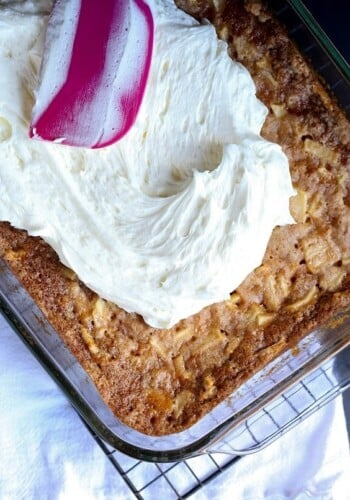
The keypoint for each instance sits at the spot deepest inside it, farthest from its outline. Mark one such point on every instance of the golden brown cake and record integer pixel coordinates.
(162, 381)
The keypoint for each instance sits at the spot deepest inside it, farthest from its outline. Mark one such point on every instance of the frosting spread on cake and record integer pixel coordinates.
(174, 216)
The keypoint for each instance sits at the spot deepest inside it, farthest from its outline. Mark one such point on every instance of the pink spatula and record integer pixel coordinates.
(94, 71)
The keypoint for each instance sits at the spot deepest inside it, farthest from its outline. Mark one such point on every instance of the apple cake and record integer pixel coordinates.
(161, 381)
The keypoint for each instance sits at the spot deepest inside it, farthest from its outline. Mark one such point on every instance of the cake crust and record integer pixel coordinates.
(162, 381)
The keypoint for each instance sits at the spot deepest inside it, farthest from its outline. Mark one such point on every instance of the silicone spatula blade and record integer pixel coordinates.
(97, 57)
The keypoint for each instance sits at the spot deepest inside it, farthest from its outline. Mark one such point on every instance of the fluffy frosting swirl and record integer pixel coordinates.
(174, 216)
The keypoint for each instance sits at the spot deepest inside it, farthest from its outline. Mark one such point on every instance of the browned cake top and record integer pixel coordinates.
(161, 381)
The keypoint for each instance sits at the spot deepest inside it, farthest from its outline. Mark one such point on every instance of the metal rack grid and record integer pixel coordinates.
(181, 479)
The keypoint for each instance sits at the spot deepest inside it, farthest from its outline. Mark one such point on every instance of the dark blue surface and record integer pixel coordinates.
(334, 18)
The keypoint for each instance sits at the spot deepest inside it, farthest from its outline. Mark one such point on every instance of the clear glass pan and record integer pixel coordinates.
(278, 377)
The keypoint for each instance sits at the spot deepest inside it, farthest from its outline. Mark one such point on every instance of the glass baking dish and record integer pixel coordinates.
(279, 376)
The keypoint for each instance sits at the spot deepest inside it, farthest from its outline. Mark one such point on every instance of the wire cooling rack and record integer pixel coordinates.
(181, 479)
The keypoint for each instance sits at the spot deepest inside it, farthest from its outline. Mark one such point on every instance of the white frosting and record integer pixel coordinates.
(175, 215)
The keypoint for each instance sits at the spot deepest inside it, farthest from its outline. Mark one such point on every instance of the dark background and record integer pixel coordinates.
(334, 17)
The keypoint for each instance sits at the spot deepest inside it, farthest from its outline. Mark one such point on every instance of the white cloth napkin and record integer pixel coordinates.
(47, 453)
